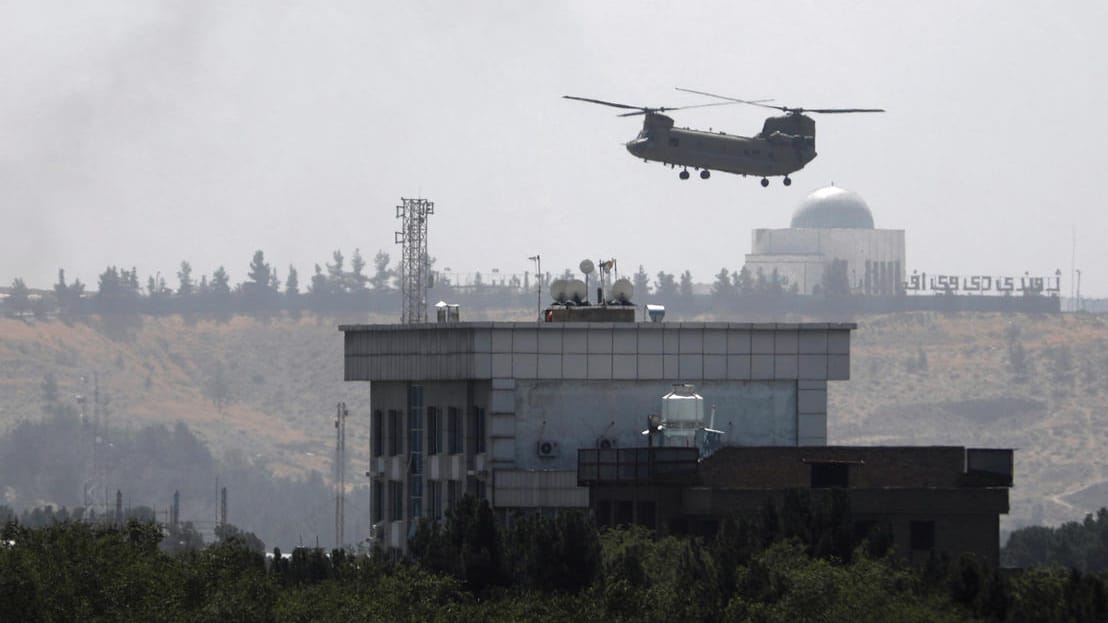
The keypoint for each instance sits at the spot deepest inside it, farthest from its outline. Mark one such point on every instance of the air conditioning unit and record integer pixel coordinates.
(547, 449)
(606, 443)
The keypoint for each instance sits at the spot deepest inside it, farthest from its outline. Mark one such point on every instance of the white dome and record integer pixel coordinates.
(833, 208)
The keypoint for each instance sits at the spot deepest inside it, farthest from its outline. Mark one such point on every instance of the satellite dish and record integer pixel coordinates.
(587, 266)
(577, 291)
(559, 290)
(622, 290)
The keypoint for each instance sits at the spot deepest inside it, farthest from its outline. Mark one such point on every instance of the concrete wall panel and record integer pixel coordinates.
(762, 343)
(812, 367)
(715, 342)
(600, 367)
(761, 367)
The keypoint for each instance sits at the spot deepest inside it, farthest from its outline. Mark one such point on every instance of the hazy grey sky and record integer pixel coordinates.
(145, 133)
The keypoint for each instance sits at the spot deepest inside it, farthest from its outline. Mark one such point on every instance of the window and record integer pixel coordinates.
(434, 430)
(673, 142)
(454, 430)
(604, 513)
(434, 499)
(378, 512)
(396, 500)
(415, 451)
(378, 426)
(647, 514)
(624, 510)
(394, 432)
(828, 475)
(452, 492)
(477, 429)
(922, 535)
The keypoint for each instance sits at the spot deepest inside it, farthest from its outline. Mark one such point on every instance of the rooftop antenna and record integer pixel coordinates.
(414, 260)
(587, 267)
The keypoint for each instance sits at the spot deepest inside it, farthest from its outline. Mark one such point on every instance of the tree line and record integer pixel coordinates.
(471, 567)
(338, 286)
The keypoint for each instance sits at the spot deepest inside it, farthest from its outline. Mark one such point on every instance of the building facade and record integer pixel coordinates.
(500, 409)
(927, 500)
(831, 245)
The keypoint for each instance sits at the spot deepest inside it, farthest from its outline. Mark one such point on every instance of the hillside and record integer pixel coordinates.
(1036, 383)
(266, 389)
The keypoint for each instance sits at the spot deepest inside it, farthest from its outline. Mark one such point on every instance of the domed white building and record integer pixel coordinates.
(832, 245)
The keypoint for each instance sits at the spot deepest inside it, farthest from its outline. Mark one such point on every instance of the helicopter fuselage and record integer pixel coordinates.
(785, 145)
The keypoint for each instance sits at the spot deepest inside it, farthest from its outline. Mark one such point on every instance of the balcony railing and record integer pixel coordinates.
(637, 466)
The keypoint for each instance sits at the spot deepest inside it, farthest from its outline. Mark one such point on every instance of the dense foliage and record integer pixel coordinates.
(1080, 545)
(470, 568)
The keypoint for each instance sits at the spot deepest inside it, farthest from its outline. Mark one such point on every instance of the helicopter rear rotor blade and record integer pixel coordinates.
(757, 102)
(838, 110)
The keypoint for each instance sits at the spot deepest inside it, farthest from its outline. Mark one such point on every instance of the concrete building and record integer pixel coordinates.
(927, 499)
(500, 409)
(831, 243)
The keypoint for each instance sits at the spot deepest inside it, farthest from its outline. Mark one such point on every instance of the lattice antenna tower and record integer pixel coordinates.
(414, 261)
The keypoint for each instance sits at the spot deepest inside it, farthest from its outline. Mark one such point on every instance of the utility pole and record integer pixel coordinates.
(340, 474)
(537, 259)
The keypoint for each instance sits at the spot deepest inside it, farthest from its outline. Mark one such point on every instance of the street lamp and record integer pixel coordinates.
(537, 259)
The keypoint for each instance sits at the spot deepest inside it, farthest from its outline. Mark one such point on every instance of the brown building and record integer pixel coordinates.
(938, 499)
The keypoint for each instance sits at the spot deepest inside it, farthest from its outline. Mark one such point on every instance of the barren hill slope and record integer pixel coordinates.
(267, 389)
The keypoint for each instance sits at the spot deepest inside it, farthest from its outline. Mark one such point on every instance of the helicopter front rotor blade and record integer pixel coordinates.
(644, 111)
(602, 102)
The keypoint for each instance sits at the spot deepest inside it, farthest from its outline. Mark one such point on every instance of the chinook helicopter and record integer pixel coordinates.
(786, 143)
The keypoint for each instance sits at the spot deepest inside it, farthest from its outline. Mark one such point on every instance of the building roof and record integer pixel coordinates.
(833, 208)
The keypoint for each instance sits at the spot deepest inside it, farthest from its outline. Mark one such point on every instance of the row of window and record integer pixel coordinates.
(434, 498)
(389, 437)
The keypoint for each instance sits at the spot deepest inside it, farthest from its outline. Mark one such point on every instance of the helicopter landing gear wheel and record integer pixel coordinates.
(787, 181)
(765, 182)
(705, 174)
(684, 174)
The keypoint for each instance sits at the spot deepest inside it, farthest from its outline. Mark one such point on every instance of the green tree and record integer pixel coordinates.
(19, 298)
(723, 288)
(357, 280)
(686, 286)
(292, 283)
(744, 281)
(220, 288)
(665, 286)
(260, 271)
(382, 274)
(336, 275)
(184, 280)
(835, 281)
(641, 282)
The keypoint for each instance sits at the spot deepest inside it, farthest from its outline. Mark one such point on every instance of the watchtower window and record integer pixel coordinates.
(830, 475)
